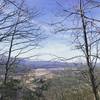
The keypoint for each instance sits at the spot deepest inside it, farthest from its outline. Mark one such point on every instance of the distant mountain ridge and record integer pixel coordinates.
(47, 64)
(22, 65)
(27, 63)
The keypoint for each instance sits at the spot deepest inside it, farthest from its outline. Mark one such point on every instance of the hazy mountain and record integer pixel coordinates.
(27, 64)
(47, 64)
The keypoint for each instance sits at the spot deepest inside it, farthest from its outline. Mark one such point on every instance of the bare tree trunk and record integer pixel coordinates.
(10, 50)
(89, 64)
(9, 56)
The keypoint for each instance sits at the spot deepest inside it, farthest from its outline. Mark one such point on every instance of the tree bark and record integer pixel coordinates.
(89, 64)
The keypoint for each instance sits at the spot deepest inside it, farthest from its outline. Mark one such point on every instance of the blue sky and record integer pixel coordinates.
(55, 44)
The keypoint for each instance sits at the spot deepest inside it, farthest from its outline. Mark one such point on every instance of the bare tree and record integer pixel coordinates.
(88, 53)
(18, 32)
(85, 30)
